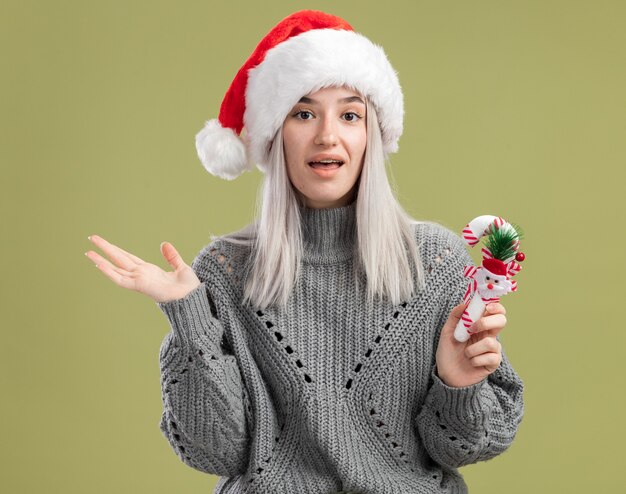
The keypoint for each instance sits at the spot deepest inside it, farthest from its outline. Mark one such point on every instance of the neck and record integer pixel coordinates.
(328, 235)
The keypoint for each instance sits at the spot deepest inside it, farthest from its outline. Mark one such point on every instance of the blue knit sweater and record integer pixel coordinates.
(332, 393)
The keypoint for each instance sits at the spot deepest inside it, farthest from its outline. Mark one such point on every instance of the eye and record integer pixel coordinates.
(496, 281)
(301, 115)
(353, 116)
(487, 278)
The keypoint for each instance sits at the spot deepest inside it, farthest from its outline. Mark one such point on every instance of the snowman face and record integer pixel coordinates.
(492, 285)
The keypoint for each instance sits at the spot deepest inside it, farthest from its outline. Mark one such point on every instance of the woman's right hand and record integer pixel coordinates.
(128, 271)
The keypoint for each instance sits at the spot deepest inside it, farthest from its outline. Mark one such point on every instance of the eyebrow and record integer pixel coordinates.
(349, 99)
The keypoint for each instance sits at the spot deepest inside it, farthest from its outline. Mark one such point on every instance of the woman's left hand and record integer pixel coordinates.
(467, 363)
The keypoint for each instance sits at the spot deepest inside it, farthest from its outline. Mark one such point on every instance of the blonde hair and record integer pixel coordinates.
(387, 251)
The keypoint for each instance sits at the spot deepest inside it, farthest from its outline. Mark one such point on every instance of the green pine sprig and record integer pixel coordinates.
(501, 241)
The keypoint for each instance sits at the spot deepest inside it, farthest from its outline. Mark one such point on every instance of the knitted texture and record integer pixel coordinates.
(330, 394)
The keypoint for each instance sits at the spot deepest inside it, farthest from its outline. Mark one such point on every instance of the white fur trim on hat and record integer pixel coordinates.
(221, 151)
(313, 60)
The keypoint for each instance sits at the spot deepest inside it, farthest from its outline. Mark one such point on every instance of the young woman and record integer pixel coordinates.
(313, 351)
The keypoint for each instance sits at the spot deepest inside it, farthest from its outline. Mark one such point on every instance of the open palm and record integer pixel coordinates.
(131, 272)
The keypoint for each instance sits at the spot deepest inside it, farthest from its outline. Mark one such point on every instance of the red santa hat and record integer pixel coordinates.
(495, 266)
(305, 52)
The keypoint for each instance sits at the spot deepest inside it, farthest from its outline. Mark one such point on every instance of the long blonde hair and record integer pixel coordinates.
(387, 252)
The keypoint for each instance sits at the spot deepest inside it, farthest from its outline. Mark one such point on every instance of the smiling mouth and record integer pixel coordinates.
(326, 164)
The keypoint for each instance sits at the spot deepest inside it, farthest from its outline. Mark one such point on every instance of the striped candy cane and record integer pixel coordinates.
(500, 270)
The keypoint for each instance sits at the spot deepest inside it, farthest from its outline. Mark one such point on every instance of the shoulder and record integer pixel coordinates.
(439, 246)
(434, 238)
(225, 257)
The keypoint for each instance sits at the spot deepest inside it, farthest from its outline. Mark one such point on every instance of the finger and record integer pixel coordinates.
(122, 258)
(97, 238)
(486, 345)
(452, 321)
(171, 255)
(491, 361)
(99, 260)
(495, 308)
(457, 312)
(494, 323)
(119, 276)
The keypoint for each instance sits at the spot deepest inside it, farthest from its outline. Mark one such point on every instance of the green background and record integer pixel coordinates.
(514, 108)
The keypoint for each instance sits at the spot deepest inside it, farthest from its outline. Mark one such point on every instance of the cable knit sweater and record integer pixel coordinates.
(331, 394)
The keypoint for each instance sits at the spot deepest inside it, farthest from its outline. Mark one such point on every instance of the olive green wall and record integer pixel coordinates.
(512, 108)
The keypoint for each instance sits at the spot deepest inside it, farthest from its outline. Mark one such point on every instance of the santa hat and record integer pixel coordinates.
(495, 266)
(305, 52)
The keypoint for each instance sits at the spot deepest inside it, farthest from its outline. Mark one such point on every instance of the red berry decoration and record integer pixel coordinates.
(519, 257)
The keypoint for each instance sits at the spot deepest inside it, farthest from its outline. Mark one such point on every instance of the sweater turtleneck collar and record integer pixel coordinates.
(328, 235)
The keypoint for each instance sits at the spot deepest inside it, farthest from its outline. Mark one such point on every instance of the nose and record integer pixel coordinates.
(489, 286)
(326, 134)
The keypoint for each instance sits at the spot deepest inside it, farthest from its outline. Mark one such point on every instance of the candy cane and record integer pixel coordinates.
(475, 302)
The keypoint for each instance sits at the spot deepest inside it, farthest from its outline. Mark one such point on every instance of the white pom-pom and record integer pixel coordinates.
(221, 151)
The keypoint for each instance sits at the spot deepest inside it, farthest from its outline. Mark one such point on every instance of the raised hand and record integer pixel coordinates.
(467, 363)
(133, 273)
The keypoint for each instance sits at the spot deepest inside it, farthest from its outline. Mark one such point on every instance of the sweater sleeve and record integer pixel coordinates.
(460, 426)
(203, 395)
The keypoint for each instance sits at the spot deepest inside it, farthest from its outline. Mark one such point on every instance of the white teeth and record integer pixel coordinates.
(328, 161)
